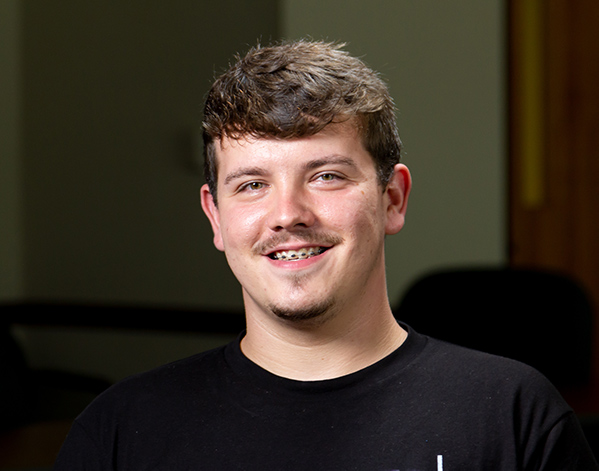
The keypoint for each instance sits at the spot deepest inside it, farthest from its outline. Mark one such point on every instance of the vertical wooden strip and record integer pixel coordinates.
(531, 152)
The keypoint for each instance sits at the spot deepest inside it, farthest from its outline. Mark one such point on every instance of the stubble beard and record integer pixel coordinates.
(318, 312)
(308, 313)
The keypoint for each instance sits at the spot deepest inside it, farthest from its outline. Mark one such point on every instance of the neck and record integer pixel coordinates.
(344, 343)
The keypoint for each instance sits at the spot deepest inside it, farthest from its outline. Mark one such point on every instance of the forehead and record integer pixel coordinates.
(341, 139)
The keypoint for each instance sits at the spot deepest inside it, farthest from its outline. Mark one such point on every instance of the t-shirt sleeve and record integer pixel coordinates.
(566, 448)
(80, 453)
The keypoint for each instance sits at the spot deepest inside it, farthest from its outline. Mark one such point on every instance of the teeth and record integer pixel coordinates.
(300, 254)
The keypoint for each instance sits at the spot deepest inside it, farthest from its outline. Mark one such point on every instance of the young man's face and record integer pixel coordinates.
(302, 221)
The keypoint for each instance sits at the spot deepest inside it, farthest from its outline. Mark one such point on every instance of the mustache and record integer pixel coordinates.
(309, 237)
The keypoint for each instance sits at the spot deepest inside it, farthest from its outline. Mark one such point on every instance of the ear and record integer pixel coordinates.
(213, 215)
(398, 190)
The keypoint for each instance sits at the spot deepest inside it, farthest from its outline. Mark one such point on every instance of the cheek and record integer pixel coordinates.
(359, 214)
(371, 225)
(240, 227)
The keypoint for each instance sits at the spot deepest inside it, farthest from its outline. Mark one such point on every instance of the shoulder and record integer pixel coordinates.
(505, 407)
(189, 368)
(135, 417)
(158, 388)
(469, 363)
(473, 373)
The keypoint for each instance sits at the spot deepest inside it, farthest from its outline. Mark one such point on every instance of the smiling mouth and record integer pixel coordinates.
(301, 254)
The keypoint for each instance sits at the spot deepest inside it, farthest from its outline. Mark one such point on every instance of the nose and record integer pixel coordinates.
(291, 210)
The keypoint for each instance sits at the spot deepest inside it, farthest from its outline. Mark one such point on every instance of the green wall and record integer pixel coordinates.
(100, 160)
(444, 63)
(11, 263)
(111, 100)
(99, 152)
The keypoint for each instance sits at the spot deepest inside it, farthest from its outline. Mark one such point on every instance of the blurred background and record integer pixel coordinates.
(107, 266)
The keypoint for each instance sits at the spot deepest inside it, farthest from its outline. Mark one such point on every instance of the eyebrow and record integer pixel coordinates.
(328, 160)
(244, 172)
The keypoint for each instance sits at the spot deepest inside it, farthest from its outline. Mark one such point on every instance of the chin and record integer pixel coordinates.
(322, 311)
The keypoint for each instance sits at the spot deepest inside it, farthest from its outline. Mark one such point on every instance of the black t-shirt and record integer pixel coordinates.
(427, 406)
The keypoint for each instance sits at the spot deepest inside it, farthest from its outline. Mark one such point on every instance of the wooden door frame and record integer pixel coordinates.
(554, 143)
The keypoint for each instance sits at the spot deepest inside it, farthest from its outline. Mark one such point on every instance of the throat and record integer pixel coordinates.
(310, 354)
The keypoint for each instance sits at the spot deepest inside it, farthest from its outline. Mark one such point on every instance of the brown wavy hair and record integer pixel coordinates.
(295, 89)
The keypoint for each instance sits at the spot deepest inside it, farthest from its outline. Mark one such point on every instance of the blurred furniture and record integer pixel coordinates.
(32, 447)
(146, 317)
(540, 318)
(30, 395)
(36, 406)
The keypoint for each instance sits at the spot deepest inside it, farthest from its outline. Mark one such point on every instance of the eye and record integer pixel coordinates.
(330, 180)
(327, 177)
(252, 186)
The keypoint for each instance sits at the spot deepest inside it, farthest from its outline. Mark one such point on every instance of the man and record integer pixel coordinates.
(304, 183)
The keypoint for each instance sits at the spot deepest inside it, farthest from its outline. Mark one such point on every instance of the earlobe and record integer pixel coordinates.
(398, 190)
(213, 216)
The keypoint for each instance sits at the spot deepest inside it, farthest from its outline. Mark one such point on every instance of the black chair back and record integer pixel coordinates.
(540, 318)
